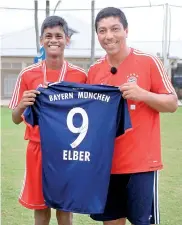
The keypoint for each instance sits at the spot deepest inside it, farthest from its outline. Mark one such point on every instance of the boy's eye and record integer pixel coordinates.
(48, 36)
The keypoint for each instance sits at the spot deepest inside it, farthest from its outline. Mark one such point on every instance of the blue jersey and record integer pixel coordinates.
(78, 125)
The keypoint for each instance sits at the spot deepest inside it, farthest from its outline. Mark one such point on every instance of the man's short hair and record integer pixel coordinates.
(111, 12)
(53, 21)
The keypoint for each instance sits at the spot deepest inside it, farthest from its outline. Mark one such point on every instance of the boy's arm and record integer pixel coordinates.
(21, 98)
(28, 99)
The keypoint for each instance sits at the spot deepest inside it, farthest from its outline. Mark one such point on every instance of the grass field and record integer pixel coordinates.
(12, 169)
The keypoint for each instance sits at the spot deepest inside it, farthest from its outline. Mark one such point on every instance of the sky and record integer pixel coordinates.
(144, 23)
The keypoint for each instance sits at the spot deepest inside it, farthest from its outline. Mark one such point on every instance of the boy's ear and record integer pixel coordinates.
(67, 40)
(41, 41)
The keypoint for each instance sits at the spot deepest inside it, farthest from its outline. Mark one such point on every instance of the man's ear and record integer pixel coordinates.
(126, 30)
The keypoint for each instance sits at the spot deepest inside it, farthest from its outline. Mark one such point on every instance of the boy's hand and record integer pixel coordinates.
(28, 98)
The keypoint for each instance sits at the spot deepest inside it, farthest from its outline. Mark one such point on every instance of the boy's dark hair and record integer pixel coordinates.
(111, 12)
(53, 21)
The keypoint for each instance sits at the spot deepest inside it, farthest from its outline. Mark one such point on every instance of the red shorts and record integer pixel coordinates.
(31, 195)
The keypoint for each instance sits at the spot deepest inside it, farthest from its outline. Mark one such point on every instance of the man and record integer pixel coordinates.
(137, 156)
(54, 38)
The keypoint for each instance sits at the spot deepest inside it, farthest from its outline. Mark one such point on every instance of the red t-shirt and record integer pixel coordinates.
(138, 150)
(34, 76)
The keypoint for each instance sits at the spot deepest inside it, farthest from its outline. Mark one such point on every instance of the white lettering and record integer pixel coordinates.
(99, 96)
(55, 98)
(59, 97)
(65, 154)
(80, 95)
(63, 96)
(70, 155)
(81, 156)
(73, 155)
(107, 98)
(87, 156)
(91, 95)
(50, 98)
(96, 96)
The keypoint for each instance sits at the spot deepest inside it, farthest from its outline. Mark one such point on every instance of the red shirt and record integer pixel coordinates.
(34, 76)
(138, 150)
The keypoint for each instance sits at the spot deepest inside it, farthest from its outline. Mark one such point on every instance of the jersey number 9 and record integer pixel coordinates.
(82, 130)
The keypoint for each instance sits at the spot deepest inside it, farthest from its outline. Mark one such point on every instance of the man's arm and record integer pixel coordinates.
(161, 102)
(161, 96)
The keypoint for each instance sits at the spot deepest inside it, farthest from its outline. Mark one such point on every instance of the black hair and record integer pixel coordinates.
(111, 12)
(53, 21)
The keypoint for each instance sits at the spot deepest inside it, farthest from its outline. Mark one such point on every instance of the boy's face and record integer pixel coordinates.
(54, 41)
(111, 35)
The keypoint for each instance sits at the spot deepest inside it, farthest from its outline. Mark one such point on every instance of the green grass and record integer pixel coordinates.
(13, 160)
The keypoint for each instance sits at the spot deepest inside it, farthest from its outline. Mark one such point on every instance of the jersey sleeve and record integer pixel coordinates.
(31, 114)
(90, 74)
(19, 88)
(124, 121)
(160, 82)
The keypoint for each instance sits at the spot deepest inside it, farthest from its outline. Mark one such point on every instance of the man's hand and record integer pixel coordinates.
(158, 102)
(28, 98)
(133, 92)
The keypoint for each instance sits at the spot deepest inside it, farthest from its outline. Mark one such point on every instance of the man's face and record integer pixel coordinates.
(111, 35)
(54, 41)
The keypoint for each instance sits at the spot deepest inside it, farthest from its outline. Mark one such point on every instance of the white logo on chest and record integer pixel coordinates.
(132, 77)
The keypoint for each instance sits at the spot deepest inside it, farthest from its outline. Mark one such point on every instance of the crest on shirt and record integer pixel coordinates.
(132, 77)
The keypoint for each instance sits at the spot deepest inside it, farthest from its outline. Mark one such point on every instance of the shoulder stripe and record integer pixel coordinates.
(15, 96)
(161, 69)
(32, 66)
(102, 59)
(63, 71)
(77, 68)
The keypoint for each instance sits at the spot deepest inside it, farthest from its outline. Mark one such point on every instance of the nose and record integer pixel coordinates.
(109, 35)
(53, 39)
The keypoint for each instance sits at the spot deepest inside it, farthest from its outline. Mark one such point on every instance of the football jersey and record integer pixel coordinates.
(78, 124)
(35, 76)
(141, 148)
